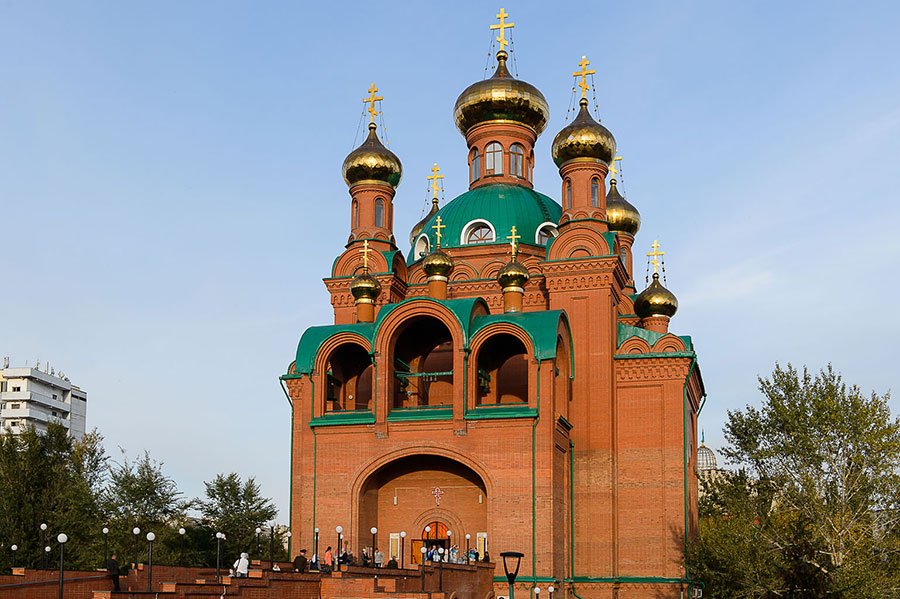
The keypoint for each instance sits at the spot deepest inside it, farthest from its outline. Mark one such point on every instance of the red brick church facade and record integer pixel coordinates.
(527, 398)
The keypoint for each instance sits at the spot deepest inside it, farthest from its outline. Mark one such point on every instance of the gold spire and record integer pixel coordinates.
(434, 179)
(502, 26)
(612, 169)
(371, 101)
(437, 228)
(583, 73)
(514, 242)
(364, 250)
(655, 254)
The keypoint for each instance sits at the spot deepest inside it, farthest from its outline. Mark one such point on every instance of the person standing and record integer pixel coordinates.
(327, 561)
(379, 558)
(300, 562)
(112, 568)
(242, 566)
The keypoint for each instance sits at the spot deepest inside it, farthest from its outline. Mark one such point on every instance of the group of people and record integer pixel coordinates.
(453, 555)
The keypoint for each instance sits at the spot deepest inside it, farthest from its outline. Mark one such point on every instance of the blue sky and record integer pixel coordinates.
(170, 188)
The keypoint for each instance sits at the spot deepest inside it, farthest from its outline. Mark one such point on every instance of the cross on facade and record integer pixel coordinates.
(437, 495)
(437, 227)
(613, 168)
(364, 250)
(503, 26)
(513, 241)
(583, 73)
(655, 254)
(434, 178)
(371, 101)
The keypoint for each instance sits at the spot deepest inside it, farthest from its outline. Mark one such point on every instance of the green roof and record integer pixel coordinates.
(626, 332)
(540, 326)
(502, 206)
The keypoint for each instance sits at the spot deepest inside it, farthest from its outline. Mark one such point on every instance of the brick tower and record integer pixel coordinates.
(503, 386)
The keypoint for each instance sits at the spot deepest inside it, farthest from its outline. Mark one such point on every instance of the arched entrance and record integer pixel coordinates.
(416, 491)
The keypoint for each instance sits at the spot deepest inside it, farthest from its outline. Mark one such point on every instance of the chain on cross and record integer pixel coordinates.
(514, 241)
(437, 227)
(434, 179)
(371, 101)
(502, 26)
(612, 169)
(364, 250)
(583, 73)
(655, 254)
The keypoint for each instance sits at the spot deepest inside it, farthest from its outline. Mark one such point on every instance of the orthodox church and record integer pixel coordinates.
(504, 386)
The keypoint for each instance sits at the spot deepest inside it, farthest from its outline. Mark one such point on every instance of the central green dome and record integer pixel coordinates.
(497, 206)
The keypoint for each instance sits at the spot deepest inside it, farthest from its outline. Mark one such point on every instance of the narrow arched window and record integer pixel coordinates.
(493, 159)
(517, 160)
(480, 234)
(476, 165)
(531, 165)
(595, 192)
(355, 214)
(379, 212)
(568, 194)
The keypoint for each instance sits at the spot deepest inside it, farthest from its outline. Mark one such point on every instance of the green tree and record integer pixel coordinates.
(814, 510)
(236, 509)
(51, 479)
(141, 495)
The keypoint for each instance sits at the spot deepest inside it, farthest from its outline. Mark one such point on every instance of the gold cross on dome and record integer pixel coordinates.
(655, 254)
(583, 73)
(513, 241)
(503, 26)
(612, 169)
(364, 250)
(434, 178)
(437, 227)
(371, 101)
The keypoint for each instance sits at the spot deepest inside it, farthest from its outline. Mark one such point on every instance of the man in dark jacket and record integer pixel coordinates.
(112, 568)
(300, 562)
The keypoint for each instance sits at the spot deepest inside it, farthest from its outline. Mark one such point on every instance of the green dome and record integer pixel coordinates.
(499, 204)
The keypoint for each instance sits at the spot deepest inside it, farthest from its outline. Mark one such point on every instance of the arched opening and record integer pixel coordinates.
(517, 160)
(379, 212)
(478, 231)
(502, 371)
(355, 214)
(422, 490)
(545, 233)
(568, 194)
(423, 365)
(348, 384)
(475, 165)
(493, 159)
(595, 192)
(423, 246)
(561, 382)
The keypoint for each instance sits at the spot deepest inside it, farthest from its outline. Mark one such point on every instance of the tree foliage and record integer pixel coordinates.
(813, 509)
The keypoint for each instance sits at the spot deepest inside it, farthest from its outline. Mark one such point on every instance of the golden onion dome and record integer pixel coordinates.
(513, 274)
(417, 229)
(583, 138)
(371, 162)
(655, 300)
(501, 97)
(437, 263)
(365, 286)
(620, 213)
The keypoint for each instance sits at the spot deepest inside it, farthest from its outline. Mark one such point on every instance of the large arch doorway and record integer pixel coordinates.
(422, 365)
(416, 491)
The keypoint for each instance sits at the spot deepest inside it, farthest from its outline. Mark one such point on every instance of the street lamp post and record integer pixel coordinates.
(550, 590)
(468, 536)
(440, 569)
(150, 538)
(316, 546)
(219, 537)
(105, 546)
(62, 538)
(510, 558)
(336, 557)
(43, 543)
(181, 532)
(374, 532)
(427, 533)
(449, 543)
(14, 549)
(258, 530)
(136, 532)
(288, 535)
(272, 547)
(424, 551)
(402, 539)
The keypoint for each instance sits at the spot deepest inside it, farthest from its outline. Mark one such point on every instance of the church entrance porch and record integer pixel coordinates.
(417, 492)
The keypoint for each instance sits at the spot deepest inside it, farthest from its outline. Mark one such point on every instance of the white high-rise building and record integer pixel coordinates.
(29, 396)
